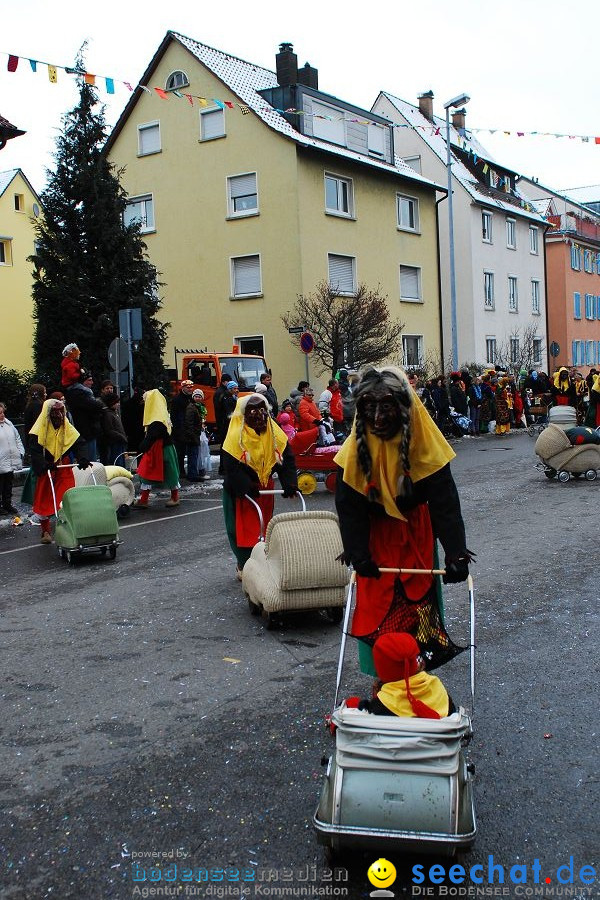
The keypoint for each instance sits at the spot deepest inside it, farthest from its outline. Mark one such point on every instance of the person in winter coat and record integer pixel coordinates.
(284, 420)
(11, 458)
(158, 464)
(195, 414)
(52, 442)
(336, 404)
(265, 379)
(113, 433)
(347, 398)
(475, 397)
(563, 389)
(254, 448)
(86, 411)
(70, 367)
(458, 397)
(179, 405)
(592, 416)
(395, 495)
(35, 400)
(310, 417)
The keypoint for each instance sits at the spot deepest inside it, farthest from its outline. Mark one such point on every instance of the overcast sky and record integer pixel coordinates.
(528, 65)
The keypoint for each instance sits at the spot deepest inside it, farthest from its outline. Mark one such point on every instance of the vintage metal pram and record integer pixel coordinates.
(397, 784)
(561, 459)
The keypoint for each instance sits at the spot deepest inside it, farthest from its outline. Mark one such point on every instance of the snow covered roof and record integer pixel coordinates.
(245, 80)
(6, 178)
(434, 135)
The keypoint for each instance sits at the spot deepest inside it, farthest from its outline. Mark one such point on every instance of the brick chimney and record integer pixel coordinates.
(426, 105)
(286, 65)
(309, 76)
(459, 118)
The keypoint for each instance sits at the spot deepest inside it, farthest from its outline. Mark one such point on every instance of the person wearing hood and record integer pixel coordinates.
(158, 464)
(86, 411)
(11, 458)
(592, 416)
(395, 495)
(562, 389)
(254, 448)
(52, 441)
(194, 418)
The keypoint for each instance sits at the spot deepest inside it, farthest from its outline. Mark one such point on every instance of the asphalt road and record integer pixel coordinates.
(145, 711)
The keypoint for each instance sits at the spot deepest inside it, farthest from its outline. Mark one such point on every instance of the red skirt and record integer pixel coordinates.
(62, 479)
(247, 523)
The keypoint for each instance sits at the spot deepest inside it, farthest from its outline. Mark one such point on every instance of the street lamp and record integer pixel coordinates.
(460, 100)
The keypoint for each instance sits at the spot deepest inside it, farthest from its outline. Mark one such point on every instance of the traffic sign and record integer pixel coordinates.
(554, 349)
(118, 355)
(297, 329)
(307, 342)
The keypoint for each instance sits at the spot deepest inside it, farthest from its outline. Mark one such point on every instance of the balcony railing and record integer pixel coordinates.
(581, 226)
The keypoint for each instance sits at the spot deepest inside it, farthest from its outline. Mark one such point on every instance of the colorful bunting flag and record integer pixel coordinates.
(13, 62)
(229, 104)
(33, 64)
(89, 79)
(128, 86)
(110, 85)
(161, 93)
(52, 74)
(190, 99)
(244, 109)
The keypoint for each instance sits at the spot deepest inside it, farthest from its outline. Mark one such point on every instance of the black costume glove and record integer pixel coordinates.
(289, 493)
(457, 569)
(83, 463)
(366, 568)
(317, 422)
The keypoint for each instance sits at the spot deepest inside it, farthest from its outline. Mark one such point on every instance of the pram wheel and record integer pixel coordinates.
(591, 475)
(563, 477)
(112, 552)
(550, 473)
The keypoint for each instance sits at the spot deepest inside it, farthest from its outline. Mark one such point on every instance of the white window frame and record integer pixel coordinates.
(414, 162)
(376, 139)
(149, 127)
(535, 296)
(534, 240)
(487, 220)
(410, 273)
(511, 233)
(181, 82)
(588, 265)
(146, 202)
(513, 294)
(491, 349)
(419, 339)
(406, 204)
(340, 183)
(349, 285)
(236, 272)
(234, 185)
(214, 115)
(19, 203)
(590, 307)
(6, 256)
(330, 128)
(575, 258)
(489, 299)
(537, 351)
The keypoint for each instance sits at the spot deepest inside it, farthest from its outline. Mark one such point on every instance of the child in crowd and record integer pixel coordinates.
(70, 367)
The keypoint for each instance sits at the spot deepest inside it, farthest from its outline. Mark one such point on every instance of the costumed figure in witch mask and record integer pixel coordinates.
(158, 465)
(562, 389)
(395, 495)
(53, 442)
(254, 448)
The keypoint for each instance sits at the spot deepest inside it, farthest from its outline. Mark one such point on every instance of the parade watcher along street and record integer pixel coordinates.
(148, 718)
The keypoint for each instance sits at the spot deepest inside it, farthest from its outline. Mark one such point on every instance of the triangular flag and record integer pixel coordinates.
(52, 74)
(161, 93)
(13, 62)
(218, 103)
(178, 94)
(128, 86)
(202, 101)
(520, 133)
(190, 98)
(244, 110)
(486, 169)
(89, 79)
(33, 64)
(229, 104)
(110, 85)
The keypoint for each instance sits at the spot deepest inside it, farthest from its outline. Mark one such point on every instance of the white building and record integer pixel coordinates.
(498, 239)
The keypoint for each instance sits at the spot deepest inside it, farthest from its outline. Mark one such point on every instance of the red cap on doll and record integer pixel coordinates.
(391, 653)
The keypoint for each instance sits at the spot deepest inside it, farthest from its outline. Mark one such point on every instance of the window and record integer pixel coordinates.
(575, 257)
(212, 124)
(486, 227)
(254, 344)
(19, 203)
(590, 347)
(576, 305)
(412, 350)
(176, 80)
(341, 273)
(537, 351)
(534, 235)
(598, 263)
(511, 234)
(488, 290)
(339, 197)
(148, 138)
(590, 306)
(408, 212)
(514, 349)
(5, 252)
(242, 195)
(587, 261)
(513, 294)
(490, 350)
(414, 162)
(245, 276)
(140, 209)
(410, 284)
(376, 139)
(535, 297)
(577, 352)
(328, 124)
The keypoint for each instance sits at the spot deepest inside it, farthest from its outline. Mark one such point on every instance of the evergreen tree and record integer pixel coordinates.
(87, 263)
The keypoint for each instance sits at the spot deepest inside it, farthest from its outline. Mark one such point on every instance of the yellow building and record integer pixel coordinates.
(19, 204)
(254, 186)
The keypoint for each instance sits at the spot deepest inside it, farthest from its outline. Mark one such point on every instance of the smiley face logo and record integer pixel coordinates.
(381, 873)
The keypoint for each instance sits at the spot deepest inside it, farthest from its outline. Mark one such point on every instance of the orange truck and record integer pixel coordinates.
(205, 369)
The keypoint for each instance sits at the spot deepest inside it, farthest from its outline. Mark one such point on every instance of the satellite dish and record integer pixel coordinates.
(36, 210)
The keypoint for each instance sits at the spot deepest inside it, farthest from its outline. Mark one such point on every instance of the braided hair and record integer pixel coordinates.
(396, 382)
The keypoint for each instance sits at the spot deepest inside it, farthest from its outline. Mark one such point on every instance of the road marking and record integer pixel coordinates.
(168, 518)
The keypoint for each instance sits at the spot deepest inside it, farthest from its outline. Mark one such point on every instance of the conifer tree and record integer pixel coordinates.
(87, 263)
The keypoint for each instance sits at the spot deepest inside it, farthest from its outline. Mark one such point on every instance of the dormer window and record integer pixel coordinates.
(177, 80)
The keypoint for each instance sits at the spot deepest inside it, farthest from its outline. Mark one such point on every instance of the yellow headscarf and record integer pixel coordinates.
(557, 375)
(260, 452)
(423, 686)
(596, 384)
(155, 409)
(56, 441)
(429, 452)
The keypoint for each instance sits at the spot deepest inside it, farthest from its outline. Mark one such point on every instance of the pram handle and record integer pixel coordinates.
(64, 466)
(259, 510)
(412, 571)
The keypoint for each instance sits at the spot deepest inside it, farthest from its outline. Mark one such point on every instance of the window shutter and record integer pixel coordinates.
(242, 185)
(149, 139)
(328, 123)
(246, 276)
(576, 305)
(409, 282)
(376, 139)
(341, 273)
(213, 124)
